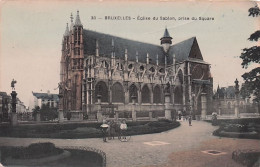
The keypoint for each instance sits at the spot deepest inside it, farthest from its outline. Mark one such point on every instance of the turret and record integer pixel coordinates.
(166, 41)
(77, 21)
(66, 31)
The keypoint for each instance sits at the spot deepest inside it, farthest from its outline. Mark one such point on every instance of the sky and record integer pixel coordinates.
(31, 34)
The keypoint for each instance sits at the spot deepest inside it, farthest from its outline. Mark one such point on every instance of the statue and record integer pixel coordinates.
(236, 85)
(12, 84)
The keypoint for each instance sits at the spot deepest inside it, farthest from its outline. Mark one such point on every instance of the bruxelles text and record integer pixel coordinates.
(153, 18)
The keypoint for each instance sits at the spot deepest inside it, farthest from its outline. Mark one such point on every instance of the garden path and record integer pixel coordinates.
(182, 146)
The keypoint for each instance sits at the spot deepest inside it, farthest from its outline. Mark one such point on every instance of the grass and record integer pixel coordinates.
(82, 130)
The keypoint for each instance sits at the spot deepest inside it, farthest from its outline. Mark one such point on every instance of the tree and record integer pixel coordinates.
(249, 56)
(48, 113)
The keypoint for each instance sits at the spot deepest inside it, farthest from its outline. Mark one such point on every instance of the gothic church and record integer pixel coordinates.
(117, 70)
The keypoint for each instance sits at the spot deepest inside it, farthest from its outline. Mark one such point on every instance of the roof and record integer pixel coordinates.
(166, 34)
(46, 96)
(228, 92)
(181, 50)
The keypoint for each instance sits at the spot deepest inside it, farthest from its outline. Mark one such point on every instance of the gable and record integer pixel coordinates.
(195, 52)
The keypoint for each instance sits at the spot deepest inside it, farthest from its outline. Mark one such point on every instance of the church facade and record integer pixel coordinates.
(121, 72)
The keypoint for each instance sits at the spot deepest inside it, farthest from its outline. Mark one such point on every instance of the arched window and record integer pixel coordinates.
(178, 97)
(101, 89)
(133, 92)
(146, 94)
(118, 95)
(157, 95)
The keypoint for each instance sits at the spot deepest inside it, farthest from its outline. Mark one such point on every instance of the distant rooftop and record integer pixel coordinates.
(46, 96)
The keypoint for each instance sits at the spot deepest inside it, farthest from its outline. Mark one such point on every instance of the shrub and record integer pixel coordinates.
(246, 157)
(36, 150)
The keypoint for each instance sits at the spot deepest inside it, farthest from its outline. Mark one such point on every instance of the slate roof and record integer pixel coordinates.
(181, 50)
(166, 34)
(46, 96)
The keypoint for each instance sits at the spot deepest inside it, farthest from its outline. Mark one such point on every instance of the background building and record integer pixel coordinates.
(49, 99)
(4, 106)
(116, 69)
(225, 102)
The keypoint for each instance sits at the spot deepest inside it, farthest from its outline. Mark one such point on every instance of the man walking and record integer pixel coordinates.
(190, 118)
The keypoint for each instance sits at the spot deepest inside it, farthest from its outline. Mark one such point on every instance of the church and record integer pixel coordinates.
(114, 72)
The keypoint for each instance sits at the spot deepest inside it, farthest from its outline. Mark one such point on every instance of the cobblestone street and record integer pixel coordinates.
(182, 146)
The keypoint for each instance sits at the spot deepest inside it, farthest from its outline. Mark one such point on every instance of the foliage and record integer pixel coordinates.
(33, 151)
(36, 110)
(249, 56)
(82, 130)
(246, 157)
(48, 113)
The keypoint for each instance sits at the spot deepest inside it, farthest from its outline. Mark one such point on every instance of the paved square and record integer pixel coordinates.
(156, 143)
(213, 152)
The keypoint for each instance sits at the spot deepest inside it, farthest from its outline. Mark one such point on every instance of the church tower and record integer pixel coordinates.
(166, 41)
(72, 66)
(77, 58)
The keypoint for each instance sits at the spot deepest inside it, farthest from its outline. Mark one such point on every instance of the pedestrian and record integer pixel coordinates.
(184, 115)
(190, 120)
(112, 129)
(179, 114)
(104, 128)
(123, 128)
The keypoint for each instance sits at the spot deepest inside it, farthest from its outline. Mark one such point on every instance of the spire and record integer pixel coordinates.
(136, 57)
(166, 41)
(166, 34)
(67, 30)
(77, 21)
(126, 56)
(113, 48)
(71, 21)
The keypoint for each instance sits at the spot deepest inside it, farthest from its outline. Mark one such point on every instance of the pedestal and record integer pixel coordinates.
(116, 115)
(99, 116)
(61, 116)
(14, 121)
(203, 106)
(236, 111)
(99, 113)
(38, 117)
(150, 115)
(167, 107)
(133, 108)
